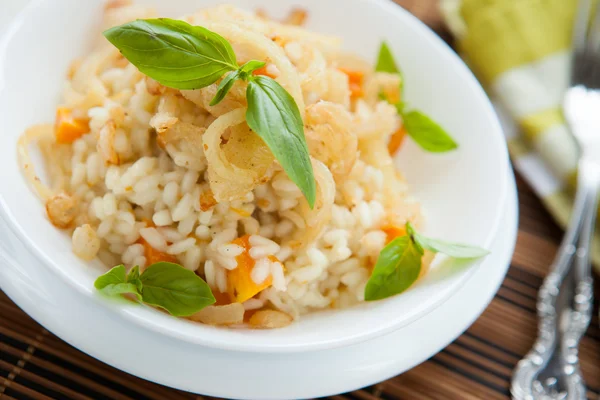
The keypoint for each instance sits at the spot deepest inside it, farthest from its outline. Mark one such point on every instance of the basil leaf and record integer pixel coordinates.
(250, 67)
(385, 60)
(114, 282)
(174, 288)
(397, 268)
(120, 288)
(227, 83)
(400, 107)
(115, 276)
(273, 114)
(134, 277)
(386, 63)
(422, 129)
(224, 87)
(455, 250)
(427, 133)
(174, 53)
(134, 274)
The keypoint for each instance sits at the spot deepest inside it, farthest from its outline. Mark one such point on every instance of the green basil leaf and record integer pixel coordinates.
(227, 83)
(455, 250)
(386, 63)
(134, 274)
(422, 129)
(410, 230)
(176, 289)
(397, 268)
(224, 87)
(174, 53)
(273, 114)
(400, 107)
(250, 67)
(427, 133)
(385, 60)
(114, 282)
(121, 288)
(115, 276)
(134, 277)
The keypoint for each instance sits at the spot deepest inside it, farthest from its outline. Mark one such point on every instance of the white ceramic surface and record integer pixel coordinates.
(105, 335)
(463, 192)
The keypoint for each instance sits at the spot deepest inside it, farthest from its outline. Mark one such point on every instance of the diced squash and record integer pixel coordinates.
(241, 287)
(263, 71)
(67, 128)
(393, 232)
(153, 256)
(355, 81)
(396, 140)
(207, 200)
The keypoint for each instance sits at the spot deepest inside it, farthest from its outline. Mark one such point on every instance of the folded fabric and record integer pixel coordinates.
(521, 52)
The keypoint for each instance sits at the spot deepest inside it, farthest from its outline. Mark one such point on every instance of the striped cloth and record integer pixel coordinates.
(520, 50)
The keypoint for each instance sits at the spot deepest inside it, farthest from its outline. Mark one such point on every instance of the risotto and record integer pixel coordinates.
(149, 171)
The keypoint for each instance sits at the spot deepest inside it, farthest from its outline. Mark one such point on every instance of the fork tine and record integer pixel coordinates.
(580, 28)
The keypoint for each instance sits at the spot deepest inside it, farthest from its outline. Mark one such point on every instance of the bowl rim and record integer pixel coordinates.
(136, 315)
(378, 367)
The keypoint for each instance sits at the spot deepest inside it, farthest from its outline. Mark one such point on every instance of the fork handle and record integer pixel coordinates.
(579, 319)
(564, 336)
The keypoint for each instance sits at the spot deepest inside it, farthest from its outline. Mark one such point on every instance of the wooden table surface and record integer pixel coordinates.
(35, 364)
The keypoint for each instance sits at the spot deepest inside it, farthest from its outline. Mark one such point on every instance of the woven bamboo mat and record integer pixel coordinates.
(35, 364)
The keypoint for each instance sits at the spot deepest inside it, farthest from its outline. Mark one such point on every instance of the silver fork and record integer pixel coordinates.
(551, 368)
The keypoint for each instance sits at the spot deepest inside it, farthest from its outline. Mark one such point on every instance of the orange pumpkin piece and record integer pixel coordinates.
(263, 71)
(153, 256)
(240, 285)
(355, 82)
(67, 128)
(207, 200)
(393, 232)
(396, 140)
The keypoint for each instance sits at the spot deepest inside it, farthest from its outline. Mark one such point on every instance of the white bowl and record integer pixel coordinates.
(94, 330)
(462, 192)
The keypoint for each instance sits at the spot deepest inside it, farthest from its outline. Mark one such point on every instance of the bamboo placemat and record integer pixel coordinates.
(35, 364)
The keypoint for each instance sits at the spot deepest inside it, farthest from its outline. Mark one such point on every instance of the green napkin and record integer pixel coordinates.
(520, 51)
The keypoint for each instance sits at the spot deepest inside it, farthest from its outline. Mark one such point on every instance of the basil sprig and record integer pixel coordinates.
(243, 73)
(386, 63)
(455, 250)
(115, 282)
(174, 53)
(166, 285)
(397, 268)
(428, 134)
(399, 263)
(181, 56)
(271, 110)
